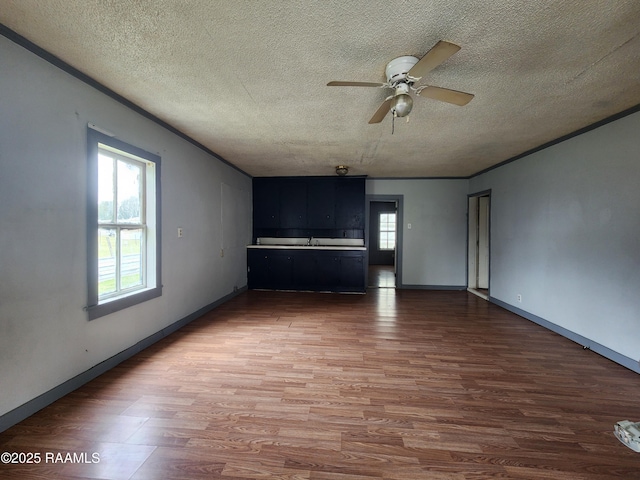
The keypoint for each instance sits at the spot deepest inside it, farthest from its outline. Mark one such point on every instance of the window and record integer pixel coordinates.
(123, 225)
(387, 231)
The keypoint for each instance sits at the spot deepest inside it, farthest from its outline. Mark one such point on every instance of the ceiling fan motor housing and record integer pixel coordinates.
(398, 68)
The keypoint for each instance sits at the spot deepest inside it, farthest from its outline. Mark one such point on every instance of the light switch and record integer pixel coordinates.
(408, 226)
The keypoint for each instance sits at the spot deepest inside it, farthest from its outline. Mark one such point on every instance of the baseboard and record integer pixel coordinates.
(586, 343)
(38, 403)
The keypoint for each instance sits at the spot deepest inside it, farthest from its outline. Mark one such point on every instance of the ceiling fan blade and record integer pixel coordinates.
(354, 84)
(434, 57)
(382, 111)
(446, 95)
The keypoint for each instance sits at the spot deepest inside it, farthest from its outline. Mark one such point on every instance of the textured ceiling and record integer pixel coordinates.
(247, 78)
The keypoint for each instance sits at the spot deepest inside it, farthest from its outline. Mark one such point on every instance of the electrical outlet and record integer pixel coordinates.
(179, 232)
(519, 297)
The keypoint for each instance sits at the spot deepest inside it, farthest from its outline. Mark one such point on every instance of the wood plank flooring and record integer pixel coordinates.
(381, 276)
(395, 384)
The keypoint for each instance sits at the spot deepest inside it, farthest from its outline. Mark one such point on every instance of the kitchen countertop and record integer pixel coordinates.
(307, 247)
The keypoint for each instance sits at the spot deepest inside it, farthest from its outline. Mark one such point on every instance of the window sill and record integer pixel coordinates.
(116, 304)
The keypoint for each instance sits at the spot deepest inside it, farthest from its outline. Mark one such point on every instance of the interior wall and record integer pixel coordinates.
(434, 248)
(565, 226)
(45, 337)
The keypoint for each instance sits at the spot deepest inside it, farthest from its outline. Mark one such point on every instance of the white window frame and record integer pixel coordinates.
(151, 287)
(381, 232)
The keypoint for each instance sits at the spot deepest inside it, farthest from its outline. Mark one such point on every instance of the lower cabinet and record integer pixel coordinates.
(267, 269)
(352, 272)
(280, 272)
(315, 270)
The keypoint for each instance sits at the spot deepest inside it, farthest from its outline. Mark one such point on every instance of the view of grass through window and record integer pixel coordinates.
(121, 223)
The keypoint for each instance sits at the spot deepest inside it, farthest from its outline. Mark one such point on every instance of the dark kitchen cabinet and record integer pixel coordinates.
(270, 269)
(322, 204)
(258, 269)
(352, 272)
(329, 207)
(266, 204)
(281, 271)
(328, 270)
(317, 206)
(306, 269)
(350, 204)
(293, 204)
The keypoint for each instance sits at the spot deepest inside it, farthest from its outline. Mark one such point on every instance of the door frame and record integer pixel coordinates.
(473, 240)
(399, 201)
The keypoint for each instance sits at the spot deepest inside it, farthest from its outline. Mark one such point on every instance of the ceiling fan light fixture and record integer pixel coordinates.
(342, 170)
(401, 105)
(403, 73)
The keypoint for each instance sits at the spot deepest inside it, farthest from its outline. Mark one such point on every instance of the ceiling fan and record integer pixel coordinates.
(403, 72)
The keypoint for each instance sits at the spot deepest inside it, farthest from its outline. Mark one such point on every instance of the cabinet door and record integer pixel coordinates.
(280, 271)
(258, 269)
(304, 273)
(266, 203)
(328, 271)
(350, 203)
(322, 203)
(352, 273)
(293, 204)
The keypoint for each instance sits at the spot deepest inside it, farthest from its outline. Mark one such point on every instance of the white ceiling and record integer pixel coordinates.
(247, 78)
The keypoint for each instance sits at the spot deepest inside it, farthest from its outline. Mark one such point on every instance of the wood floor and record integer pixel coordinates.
(381, 276)
(395, 384)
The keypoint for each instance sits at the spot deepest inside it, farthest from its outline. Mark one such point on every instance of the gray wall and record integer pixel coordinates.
(45, 338)
(565, 226)
(565, 234)
(434, 249)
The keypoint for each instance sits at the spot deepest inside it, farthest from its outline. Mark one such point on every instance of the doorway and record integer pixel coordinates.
(384, 241)
(478, 255)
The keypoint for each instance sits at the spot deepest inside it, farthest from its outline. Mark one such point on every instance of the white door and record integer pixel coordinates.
(472, 254)
(478, 253)
(483, 242)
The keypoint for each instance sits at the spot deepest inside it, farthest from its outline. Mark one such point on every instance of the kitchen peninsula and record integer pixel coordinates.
(308, 234)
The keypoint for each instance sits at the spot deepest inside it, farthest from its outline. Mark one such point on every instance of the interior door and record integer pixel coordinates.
(483, 242)
(479, 234)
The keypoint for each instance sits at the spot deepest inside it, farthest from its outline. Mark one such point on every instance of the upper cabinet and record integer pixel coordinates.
(293, 203)
(266, 204)
(322, 203)
(329, 204)
(350, 204)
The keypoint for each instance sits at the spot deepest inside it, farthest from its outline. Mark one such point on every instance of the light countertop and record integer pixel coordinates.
(308, 247)
(309, 243)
